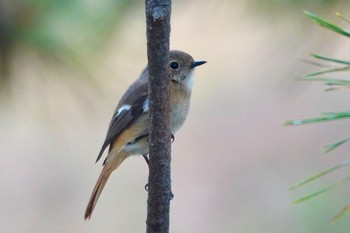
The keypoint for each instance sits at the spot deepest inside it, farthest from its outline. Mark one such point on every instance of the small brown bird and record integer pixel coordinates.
(128, 130)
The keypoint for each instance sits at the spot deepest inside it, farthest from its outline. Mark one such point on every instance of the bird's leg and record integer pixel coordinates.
(145, 156)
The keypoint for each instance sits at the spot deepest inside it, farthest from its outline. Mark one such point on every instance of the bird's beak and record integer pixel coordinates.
(197, 63)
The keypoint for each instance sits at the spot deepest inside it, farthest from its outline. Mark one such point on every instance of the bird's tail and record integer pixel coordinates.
(107, 170)
(100, 184)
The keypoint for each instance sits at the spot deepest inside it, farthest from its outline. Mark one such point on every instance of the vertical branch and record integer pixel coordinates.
(159, 181)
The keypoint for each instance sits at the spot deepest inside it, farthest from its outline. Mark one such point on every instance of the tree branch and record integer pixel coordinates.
(159, 192)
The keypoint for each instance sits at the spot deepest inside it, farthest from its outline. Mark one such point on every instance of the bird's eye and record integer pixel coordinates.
(174, 65)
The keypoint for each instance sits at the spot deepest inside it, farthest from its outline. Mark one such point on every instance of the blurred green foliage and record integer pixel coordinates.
(62, 30)
(69, 31)
(278, 7)
(338, 65)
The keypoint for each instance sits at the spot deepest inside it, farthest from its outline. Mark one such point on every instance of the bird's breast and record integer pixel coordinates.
(180, 105)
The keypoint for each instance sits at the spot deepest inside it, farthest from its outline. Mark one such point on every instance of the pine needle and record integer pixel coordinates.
(341, 213)
(326, 24)
(329, 147)
(320, 174)
(314, 194)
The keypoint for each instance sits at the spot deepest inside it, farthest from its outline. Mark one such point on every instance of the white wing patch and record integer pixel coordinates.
(125, 107)
(145, 106)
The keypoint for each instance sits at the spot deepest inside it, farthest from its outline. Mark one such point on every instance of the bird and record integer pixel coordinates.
(128, 129)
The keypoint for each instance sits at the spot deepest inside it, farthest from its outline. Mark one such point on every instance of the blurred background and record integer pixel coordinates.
(65, 64)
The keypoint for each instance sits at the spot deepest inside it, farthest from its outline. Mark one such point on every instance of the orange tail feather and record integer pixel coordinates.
(112, 162)
(100, 184)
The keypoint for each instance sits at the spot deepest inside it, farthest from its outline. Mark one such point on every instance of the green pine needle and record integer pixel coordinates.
(326, 117)
(334, 145)
(330, 59)
(341, 213)
(314, 194)
(323, 190)
(342, 17)
(320, 174)
(344, 68)
(326, 24)
(328, 81)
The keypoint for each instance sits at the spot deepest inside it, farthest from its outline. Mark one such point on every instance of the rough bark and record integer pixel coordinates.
(159, 182)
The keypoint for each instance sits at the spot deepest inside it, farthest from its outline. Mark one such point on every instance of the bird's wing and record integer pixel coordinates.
(122, 118)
